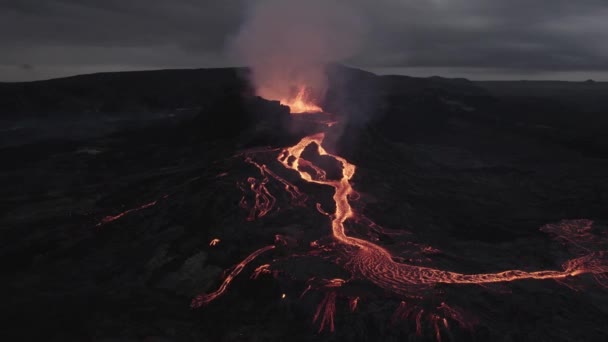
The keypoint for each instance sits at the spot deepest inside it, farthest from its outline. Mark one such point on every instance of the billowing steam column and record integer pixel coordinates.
(287, 44)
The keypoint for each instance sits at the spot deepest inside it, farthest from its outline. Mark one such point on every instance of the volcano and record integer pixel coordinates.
(422, 209)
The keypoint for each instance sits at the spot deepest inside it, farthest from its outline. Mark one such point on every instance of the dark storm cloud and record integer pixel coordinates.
(111, 23)
(541, 35)
(71, 36)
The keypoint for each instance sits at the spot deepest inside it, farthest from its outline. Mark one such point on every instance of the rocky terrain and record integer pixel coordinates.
(473, 169)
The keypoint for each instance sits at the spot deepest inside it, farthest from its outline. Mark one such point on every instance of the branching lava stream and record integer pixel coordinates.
(376, 264)
(370, 261)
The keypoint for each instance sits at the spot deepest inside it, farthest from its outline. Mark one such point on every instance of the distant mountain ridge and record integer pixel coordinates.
(572, 113)
(161, 90)
(133, 91)
(140, 91)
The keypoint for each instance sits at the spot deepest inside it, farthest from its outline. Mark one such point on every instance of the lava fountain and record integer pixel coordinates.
(301, 102)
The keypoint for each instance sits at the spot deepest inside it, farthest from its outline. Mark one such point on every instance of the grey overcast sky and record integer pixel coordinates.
(478, 39)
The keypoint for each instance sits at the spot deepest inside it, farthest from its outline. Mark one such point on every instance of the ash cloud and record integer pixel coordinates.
(288, 43)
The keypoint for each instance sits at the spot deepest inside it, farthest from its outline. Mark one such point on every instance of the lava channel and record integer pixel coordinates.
(374, 263)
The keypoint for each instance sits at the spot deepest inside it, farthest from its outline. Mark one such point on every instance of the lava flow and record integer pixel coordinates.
(374, 263)
(369, 261)
(300, 103)
(203, 299)
(113, 218)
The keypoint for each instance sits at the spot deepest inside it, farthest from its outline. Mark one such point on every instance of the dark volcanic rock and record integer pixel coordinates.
(140, 91)
(192, 278)
(250, 119)
(471, 169)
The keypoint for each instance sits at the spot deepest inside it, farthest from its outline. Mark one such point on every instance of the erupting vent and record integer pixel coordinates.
(302, 102)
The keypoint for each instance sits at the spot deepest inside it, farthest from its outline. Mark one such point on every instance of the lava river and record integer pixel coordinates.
(370, 261)
(376, 264)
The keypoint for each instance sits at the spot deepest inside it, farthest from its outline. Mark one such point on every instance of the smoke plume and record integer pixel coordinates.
(288, 43)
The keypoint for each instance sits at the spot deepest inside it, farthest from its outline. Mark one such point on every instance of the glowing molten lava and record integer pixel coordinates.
(376, 264)
(301, 102)
(366, 260)
(112, 218)
(203, 299)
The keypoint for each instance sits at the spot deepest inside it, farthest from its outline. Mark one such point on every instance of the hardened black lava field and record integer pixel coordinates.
(422, 209)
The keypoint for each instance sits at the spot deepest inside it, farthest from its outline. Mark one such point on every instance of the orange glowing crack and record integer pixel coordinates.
(376, 264)
(263, 269)
(214, 242)
(264, 201)
(435, 322)
(402, 312)
(574, 232)
(321, 211)
(352, 304)
(109, 219)
(204, 299)
(437, 319)
(297, 197)
(326, 311)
